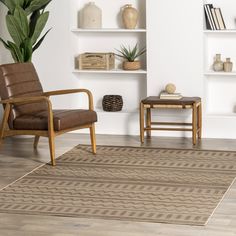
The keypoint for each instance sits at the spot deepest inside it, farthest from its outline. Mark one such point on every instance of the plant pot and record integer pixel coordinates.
(131, 65)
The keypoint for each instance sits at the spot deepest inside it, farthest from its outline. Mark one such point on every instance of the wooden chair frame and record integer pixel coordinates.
(50, 133)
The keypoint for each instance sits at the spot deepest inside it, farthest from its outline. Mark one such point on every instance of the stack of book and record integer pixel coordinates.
(214, 18)
(165, 95)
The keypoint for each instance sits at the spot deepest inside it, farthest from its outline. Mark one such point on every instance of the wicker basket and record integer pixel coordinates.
(112, 103)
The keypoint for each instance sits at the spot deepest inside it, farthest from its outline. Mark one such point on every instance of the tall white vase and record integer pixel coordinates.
(91, 16)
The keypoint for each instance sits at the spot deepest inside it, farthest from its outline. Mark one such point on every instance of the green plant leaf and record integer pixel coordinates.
(14, 29)
(15, 52)
(4, 43)
(129, 53)
(40, 41)
(27, 50)
(22, 20)
(32, 22)
(10, 4)
(41, 22)
(37, 5)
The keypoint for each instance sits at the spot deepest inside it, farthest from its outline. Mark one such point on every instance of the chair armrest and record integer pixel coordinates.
(68, 91)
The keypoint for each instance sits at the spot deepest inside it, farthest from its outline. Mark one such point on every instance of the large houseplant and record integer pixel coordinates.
(25, 22)
(130, 55)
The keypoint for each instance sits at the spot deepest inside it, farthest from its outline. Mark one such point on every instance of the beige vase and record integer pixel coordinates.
(129, 16)
(131, 65)
(228, 65)
(91, 16)
(218, 63)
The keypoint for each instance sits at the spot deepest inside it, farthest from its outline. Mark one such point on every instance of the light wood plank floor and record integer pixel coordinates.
(17, 158)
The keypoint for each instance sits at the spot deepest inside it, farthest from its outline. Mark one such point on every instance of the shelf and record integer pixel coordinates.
(100, 110)
(223, 114)
(108, 30)
(116, 71)
(212, 73)
(229, 31)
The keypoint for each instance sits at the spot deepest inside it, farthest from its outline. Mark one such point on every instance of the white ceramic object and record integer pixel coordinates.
(91, 17)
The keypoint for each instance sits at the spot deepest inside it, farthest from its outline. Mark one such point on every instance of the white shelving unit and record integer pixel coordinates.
(107, 39)
(220, 96)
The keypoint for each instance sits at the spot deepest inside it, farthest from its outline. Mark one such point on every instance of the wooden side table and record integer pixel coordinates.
(194, 103)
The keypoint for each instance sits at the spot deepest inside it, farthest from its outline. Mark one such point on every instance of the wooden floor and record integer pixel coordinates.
(17, 158)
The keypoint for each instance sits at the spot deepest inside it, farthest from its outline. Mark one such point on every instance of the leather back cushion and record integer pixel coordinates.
(20, 80)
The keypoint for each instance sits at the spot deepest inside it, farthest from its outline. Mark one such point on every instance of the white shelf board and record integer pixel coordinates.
(109, 30)
(227, 31)
(100, 110)
(218, 114)
(115, 71)
(212, 73)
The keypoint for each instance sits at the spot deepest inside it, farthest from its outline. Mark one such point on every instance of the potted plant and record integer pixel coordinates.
(130, 55)
(25, 22)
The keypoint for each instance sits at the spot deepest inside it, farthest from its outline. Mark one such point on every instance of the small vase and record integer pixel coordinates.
(228, 65)
(129, 16)
(131, 65)
(91, 17)
(218, 65)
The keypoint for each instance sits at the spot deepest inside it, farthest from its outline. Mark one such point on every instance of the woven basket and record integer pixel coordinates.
(112, 103)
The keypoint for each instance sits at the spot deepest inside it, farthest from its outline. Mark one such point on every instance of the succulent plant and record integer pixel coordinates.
(130, 54)
(25, 22)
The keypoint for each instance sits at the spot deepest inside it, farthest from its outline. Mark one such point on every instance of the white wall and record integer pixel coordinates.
(175, 54)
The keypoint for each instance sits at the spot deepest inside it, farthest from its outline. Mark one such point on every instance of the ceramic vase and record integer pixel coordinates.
(218, 64)
(228, 65)
(91, 16)
(129, 16)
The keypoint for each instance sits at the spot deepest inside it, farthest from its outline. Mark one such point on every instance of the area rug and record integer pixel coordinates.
(126, 183)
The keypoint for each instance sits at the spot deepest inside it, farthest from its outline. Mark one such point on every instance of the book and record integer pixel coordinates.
(215, 18)
(220, 18)
(209, 24)
(165, 95)
(208, 8)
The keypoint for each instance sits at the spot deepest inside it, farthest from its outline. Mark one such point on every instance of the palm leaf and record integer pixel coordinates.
(4, 43)
(22, 20)
(27, 50)
(40, 41)
(37, 5)
(32, 22)
(41, 22)
(15, 52)
(10, 4)
(14, 29)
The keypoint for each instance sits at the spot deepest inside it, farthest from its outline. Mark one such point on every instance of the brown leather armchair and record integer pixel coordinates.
(28, 110)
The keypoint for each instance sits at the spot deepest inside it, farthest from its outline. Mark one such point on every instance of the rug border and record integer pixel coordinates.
(224, 195)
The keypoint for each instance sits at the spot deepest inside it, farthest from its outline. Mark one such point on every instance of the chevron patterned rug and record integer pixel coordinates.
(126, 183)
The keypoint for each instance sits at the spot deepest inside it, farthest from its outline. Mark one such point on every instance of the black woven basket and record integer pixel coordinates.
(112, 103)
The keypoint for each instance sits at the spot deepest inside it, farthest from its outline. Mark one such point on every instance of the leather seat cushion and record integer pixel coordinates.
(63, 119)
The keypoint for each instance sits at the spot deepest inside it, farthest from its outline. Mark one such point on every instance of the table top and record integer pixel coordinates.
(183, 101)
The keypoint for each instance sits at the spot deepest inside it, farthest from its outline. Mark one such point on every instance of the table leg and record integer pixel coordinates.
(194, 123)
(148, 122)
(199, 114)
(141, 121)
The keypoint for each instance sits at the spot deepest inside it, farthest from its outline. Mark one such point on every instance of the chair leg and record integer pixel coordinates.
(36, 141)
(4, 121)
(51, 140)
(93, 138)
